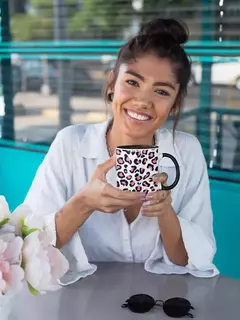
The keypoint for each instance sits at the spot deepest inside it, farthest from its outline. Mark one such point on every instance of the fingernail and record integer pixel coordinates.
(146, 203)
(144, 213)
(142, 196)
(149, 196)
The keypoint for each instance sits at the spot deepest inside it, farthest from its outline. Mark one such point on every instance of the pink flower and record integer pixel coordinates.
(44, 265)
(11, 274)
(4, 209)
(23, 212)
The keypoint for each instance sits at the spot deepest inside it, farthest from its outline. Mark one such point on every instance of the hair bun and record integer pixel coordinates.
(166, 28)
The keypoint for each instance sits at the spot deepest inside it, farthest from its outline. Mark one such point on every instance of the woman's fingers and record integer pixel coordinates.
(155, 208)
(161, 178)
(112, 192)
(158, 195)
(113, 205)
(103, 168)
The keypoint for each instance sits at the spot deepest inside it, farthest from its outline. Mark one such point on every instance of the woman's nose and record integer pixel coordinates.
(143, 103)
(144, 99)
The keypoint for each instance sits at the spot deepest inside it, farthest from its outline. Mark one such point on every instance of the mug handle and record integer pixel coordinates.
(167, 155)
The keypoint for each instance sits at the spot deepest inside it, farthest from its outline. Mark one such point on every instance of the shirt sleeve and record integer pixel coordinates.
(195, 218)
(47, 195)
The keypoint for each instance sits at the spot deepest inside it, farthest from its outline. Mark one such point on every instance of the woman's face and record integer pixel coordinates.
(144, 94)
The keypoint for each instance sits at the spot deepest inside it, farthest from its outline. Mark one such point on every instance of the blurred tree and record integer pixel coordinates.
(86, 18)
(108, 19)
(26, 27)
(101, 18)
(37, 22)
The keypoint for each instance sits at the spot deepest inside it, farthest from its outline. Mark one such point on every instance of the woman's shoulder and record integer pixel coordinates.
(179, 138)
(186, 140)
(77, 132)
(72, 132)
(186, 145)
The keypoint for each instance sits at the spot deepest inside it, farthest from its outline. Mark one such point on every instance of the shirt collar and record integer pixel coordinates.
(93, 144)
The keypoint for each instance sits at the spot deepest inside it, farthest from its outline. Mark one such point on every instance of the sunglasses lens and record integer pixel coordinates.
(177, 307)
(139, 303)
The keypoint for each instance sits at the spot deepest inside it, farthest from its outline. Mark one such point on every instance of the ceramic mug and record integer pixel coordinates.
(137, 164)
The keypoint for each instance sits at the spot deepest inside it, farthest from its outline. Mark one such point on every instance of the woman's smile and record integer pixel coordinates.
(137, 117)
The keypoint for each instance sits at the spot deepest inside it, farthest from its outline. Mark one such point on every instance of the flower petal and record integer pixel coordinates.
(34, 221)
(4, 209)
(44, 265)
(31, 245)
(21, 211)
(3, 246)
(14, 250)
(3, 285)
(4, 266)
(59, 263)
(14, 279)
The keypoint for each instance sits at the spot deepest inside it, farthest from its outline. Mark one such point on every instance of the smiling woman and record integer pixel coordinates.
(152, 69)
(143, 97)
(75, 187)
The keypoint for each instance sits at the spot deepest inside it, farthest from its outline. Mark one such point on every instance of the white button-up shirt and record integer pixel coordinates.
(67, 167)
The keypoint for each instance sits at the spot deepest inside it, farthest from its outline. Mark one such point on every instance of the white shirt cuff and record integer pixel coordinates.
(200, 251)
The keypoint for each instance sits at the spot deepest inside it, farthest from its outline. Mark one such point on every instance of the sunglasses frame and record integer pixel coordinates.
(174, 307)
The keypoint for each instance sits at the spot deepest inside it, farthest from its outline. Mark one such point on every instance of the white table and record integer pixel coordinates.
(101, 295)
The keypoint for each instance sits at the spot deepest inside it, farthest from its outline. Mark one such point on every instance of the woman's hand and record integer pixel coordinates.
(157, 203)
(99, 195)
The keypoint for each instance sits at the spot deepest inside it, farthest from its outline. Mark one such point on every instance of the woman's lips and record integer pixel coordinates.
(137, 116)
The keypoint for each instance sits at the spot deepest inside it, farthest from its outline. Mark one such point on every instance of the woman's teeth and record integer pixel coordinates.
(137, 116)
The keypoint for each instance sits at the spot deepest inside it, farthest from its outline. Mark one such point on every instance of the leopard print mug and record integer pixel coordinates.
(137, 164)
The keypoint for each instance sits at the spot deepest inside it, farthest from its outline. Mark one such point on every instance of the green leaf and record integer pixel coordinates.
(3, 222)
(22, 220)
(26, 231)
(32, 290)
(32, 230)
(23, 264)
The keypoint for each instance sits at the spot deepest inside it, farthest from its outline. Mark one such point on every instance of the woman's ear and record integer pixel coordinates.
(111, 87)
(110, 76)
(110, 80)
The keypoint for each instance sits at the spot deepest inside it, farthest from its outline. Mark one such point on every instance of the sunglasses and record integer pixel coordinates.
(174, 307)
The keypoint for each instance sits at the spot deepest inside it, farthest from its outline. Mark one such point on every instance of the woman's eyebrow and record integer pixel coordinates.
(158, 83)
(135, 74)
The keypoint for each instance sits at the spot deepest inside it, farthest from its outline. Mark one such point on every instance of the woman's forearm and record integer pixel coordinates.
(172, 238)
(69, 219)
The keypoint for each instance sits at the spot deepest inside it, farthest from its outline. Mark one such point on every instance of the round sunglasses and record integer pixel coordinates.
(174, 307)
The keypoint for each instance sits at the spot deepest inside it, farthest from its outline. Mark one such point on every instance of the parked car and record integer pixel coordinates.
(223, 73)
(31, 75)
(82, 82)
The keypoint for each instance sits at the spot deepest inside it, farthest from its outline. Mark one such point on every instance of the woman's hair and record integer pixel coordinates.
(164, 38)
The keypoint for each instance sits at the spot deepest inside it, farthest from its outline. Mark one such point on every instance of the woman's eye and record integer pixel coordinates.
(162, 92)
(132, 83)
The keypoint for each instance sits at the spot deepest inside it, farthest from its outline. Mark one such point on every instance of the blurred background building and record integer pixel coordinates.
(55, 57)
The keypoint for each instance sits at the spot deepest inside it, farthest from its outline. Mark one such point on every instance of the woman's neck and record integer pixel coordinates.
(115, 137)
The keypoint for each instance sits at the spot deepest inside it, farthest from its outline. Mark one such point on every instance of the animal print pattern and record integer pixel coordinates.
(135, 169)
